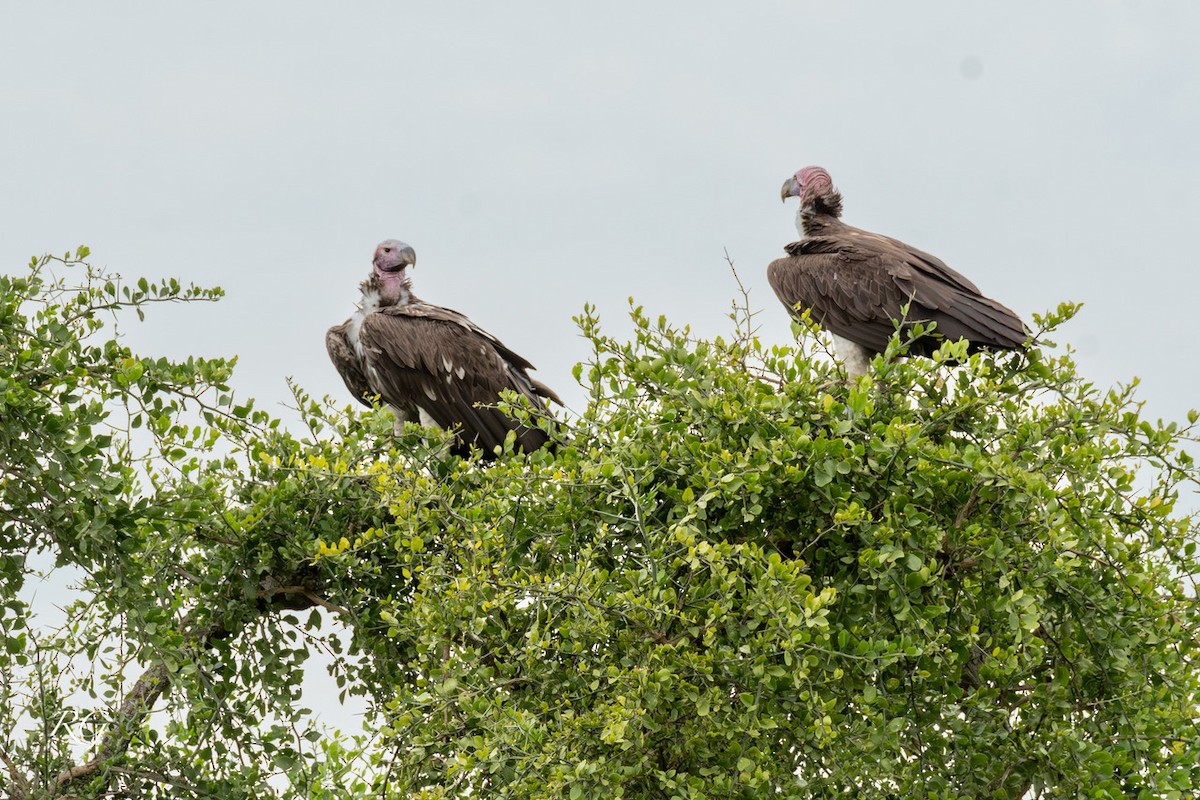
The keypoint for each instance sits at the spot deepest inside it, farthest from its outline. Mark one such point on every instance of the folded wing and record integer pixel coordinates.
(438, 367)
(857, 283)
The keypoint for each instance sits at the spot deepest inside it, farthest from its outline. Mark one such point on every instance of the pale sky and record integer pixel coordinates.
(540, 157)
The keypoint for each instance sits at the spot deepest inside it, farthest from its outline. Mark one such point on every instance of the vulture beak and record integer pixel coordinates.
(394, 256)
(791, 188)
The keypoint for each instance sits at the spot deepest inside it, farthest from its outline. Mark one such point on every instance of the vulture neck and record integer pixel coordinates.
(378, 294)
(819, 215)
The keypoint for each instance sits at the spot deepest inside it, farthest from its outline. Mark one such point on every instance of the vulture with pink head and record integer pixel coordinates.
(431, 365)
(855, 284)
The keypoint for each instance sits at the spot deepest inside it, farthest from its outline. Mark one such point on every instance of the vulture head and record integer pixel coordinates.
(389, 271)
(815, 189)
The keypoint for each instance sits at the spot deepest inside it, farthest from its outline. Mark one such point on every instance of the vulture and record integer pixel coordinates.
(855, 284)
(431, 365)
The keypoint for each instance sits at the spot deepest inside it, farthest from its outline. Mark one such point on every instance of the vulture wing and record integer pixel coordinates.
(856, 284)
(422, 357)
(341, 353)
(843, 295)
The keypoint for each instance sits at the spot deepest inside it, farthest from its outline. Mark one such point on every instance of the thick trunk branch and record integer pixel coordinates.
(19, 789)
(275, 595)
(134, 710)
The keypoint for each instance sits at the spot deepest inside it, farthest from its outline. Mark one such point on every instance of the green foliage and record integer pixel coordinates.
(933, 583)
(737, 575)
(63, 479)
(186, 520)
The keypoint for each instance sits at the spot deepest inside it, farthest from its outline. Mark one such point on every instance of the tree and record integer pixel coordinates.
(739, 575)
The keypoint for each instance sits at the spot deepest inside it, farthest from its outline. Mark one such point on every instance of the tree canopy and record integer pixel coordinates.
(736, 575)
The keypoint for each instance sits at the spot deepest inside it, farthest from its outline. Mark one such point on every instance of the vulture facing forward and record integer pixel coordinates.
(428, 364)
(855, 283)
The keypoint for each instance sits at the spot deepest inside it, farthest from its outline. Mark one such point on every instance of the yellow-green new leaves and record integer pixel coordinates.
(740, 576)
(735, 576)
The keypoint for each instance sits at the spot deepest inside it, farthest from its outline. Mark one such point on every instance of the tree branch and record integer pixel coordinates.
(134, 710)
(312, 598)
(19, 789)
(155, 681)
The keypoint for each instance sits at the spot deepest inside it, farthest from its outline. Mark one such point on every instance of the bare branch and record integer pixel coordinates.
(134, 710)
(155, 681)
(308, 594)
(19, 789)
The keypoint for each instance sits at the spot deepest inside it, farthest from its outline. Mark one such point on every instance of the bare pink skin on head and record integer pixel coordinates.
(808, 184)
(393, 255)
(390, 264)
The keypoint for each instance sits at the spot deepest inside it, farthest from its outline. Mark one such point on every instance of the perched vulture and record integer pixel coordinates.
(855, 284)
(429, 364)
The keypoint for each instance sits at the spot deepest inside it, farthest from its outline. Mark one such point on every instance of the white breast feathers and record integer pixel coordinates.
(370, 302)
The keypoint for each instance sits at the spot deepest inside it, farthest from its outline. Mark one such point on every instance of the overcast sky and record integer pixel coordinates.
(539, 158)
